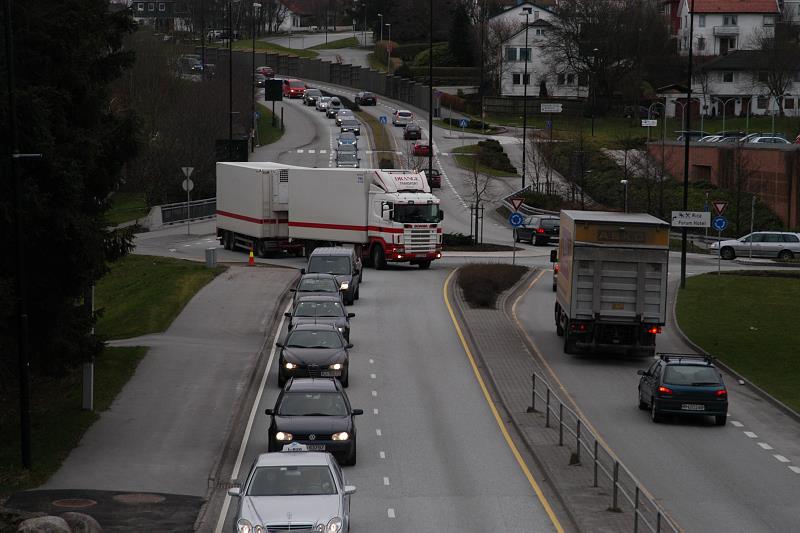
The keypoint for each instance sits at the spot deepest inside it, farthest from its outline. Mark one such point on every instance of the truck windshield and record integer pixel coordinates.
(416, 213)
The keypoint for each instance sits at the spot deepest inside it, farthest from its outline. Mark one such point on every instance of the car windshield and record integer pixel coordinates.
(549, 223)
(691, 375)
(303, 338)
(423, 213)
(412, 127)
(347, 137)
(317, 285)
(296, 84)
(335, 102)
(324, 99)
(349, 122)
(321, 309)
(312, 404)
(306, 480)
(404, 114)
(313, 92)
(329, 264)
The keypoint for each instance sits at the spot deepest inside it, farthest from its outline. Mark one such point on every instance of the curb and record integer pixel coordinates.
(727, 368)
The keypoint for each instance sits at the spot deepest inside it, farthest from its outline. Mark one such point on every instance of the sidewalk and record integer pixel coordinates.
(166, 429)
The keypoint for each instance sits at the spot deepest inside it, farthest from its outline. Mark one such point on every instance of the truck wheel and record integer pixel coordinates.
(261, 248)
(424, 265)
(559, 329)
(227, 240)
(727, 253)
(378, 258)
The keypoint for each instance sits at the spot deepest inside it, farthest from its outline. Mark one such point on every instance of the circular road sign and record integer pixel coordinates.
(188, 185)
(720, 223)
(515, 220)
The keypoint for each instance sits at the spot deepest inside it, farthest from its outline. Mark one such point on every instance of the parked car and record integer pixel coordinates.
(334, 105)
(347, 138)
(347, 158)
(266, 71)
(683, 385)
(343, 263)
(351, 125)
(539, 229)
(316, 285)
(307, 486)
(710, 139)
(768, 140)
(775, 244)
(694, 135)
(321, 310)
(322, 103)
(412, 131)
(366, 98)
(750, 136)
(434, 177)
(310, 96)
(401, 117)
(343, 114)
(317, 414)
(421, 149)
(314, 350)
(293, 88)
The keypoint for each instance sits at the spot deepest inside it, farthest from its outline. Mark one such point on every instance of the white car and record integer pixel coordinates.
(775, 244)
(323, 102)
(293, 489)
(401, 117)
(768, 140)
(710, 139)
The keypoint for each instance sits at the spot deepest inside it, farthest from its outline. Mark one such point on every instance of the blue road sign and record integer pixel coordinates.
(515, 220)
(549, 124)
(382, 119)
(720, 223)
(463, 123)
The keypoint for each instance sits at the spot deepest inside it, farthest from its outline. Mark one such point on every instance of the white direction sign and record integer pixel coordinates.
(691, 219)
(551, 108)
(649, 123)
(187, 185)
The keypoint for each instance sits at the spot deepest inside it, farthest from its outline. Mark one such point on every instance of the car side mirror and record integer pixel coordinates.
(348, 346)
(349, 489)
(357, 412)
(236, 492)
(641, 372)
(268, 412)
(287, 315)
(302, 271)
(279, 344)
(350, 315)
(553, 256)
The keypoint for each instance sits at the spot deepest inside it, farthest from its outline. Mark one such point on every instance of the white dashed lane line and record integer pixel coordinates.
(736, 423)
(795, 469)
(781, 458)
(386, 481)
(382, 455)
(374, 411)
(374, 393)
(390, 512)
(378, 432)
(765, 445)
(751, 434)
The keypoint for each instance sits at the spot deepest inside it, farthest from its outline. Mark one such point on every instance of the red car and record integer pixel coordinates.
(421, 149)
(293, 88)
(265, 71)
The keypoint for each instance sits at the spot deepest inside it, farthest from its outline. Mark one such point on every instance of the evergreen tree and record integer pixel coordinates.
(461, 35)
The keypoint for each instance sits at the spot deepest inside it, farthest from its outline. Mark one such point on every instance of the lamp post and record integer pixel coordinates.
(480, 85)
(230, 83)
(592, 86)
(364, 33)
(389, 51)
(256, 6)
(686, 143)
(527, 13)
(649, 111)
(380, 23)
(724, 103)
(625, 184)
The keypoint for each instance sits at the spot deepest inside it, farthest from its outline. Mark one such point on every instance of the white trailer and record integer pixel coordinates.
(388, 215)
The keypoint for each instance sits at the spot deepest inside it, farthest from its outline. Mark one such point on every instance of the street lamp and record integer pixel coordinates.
(686, 141)
(256, 7)
(625, 184)
(364, 33)
(592, 85)
(380, 23)
(527, 13)
(724, 103)
(389, 51)
(650, 110)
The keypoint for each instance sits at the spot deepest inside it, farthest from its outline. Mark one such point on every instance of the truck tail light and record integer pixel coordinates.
(721, 393)
(654, 330)
(664, 390)
(577, 327)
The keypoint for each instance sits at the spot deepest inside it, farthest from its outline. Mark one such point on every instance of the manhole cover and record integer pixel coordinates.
(75, 503)
(136, 498)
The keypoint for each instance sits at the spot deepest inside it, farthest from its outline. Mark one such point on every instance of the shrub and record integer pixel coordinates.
(403, 71)
(471, 123)
(482, 284)
(441, 56)
(407, 52)
(456, 239)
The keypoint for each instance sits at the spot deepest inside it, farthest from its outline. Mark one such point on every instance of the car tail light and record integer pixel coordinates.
(556, 268)
(721, 393)
(664, 390)
(539, 230)
(654, 330)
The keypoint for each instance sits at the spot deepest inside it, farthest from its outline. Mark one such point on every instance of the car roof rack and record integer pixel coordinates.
(668, 356)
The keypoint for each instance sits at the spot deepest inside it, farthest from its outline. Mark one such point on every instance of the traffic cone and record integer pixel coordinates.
(252, 260)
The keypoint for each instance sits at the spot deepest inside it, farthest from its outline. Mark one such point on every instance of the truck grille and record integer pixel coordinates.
(420, 240)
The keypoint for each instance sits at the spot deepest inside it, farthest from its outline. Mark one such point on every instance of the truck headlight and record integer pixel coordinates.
(334, 525)
(336, 366)
(283, 436)
(344, 286)
(244, 526)
(343, 435)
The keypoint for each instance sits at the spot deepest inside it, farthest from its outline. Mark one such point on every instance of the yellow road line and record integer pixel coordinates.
(503, 430)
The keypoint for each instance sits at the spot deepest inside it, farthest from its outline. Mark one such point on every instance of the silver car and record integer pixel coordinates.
(322, 103)
(293, 490)
(780, 244)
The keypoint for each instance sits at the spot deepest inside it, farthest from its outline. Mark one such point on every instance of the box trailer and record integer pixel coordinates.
(611, 282)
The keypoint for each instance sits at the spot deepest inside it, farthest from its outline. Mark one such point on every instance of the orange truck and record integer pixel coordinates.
(611, 282)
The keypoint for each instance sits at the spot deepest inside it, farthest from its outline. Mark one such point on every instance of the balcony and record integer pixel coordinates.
(726, 30)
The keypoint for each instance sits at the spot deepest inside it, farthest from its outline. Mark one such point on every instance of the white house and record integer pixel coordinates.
(515, 15)
(724, 25)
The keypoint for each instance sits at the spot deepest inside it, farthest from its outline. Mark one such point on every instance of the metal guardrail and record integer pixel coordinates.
(646, 512)
(178, 212)
(524, 208)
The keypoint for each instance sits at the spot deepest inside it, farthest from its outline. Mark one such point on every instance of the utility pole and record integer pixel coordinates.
(687, 136)
(230, 83)
(525, 99)
(430, 90)
(256, 5)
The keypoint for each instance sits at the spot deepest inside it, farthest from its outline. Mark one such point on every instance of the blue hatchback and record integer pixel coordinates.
(679, 384)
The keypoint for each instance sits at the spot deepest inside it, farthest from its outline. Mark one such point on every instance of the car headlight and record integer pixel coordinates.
(290, 366)
(341, 330)
(244, 526)
(344, 286)
(336, 366)
(283, 436)
(334, 525)
(259, 529)
(343, 435)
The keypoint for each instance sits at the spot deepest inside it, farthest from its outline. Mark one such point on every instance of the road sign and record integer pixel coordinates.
(720, 223)
(549, 124)
(463, 123)
(515, 220)
(551, 108)
(648, 123)
(187, 171)
(516, 202)
(382, 119)
(691, 219)
(719, 206)
(437, 94)
(187, 185)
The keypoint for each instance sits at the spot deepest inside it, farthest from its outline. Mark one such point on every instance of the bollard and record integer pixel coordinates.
(614, 506)
(281, 118)
(594, 484)
(578, 440)
(560, 424)
(532, 408)
(211, 257)
(547, 410)
(636, 510)
(658, 521)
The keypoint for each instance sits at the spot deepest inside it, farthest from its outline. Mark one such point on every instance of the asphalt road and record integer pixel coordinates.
(742, 477)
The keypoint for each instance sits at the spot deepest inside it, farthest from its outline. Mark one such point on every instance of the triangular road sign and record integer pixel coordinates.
(516, 202)
(719, 206)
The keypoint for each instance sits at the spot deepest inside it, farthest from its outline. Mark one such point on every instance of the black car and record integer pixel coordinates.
(412, 132)
(343, 263)
(366, 98)
(316, 413)
(310, 96)
(316, 285)
(350, 124)
(683, 385)
(321, 310)
(434, 178)
(538, 230)
(316, 351)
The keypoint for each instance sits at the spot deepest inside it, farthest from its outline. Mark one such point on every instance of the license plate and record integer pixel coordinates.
(692, 407)
(330, 373)
(315, 447)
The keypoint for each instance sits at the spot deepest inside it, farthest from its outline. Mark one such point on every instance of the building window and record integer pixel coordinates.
(515, 79)
(140, 6)
(788, 103)
(561, 79)
(727, 77)
(729, 20)
(162, 6)
(539, 31)
(535, 15)
(769, 20)
(583, 80)
(151, 6)
(762, 102)
(511, 53)
(570, 79)
(726, 44)
(667, 9)
(701, 21)
(524, 54)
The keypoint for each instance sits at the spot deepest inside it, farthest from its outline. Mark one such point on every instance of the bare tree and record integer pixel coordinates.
(497, 32)
(479, 185)
(539, 157)
(275, 14)
(777, 59)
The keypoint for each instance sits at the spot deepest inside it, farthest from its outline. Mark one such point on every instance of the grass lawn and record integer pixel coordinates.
(261, 46)
(57, 420)
(267, 133)
(347, 42)
(750, 323)
(467, 162)
(380, 137)
(143, 294)
(126, 206)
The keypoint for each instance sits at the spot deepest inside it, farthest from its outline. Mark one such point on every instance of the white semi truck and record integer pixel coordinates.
(611, 281)
(387, 215)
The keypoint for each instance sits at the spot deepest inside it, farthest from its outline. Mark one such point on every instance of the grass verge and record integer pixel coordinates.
(143, 294)
(261, 46)
(347, 42)
(380, 139)
(488, 131)
(466, 158)
(57, 420)
(481, 284)
(748, 321)
(126, 206)
(267, 133)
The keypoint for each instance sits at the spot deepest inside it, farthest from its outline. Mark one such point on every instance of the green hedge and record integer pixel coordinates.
(441, 56)
(491, 154)
(407, 52)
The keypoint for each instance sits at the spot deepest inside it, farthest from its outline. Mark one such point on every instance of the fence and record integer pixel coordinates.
(178, 212)
(605, 466)
(513, 105)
